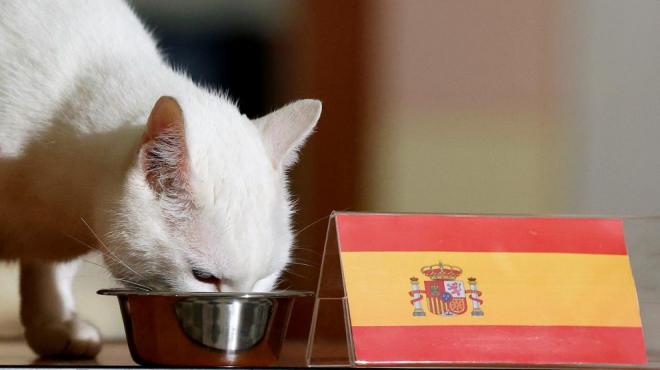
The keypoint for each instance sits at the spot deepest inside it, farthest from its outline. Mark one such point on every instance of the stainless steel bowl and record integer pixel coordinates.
(205, 329)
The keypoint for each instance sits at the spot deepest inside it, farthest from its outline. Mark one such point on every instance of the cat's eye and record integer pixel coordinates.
(205, 277)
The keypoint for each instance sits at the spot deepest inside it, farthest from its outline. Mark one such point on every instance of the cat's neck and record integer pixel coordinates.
(83, 156)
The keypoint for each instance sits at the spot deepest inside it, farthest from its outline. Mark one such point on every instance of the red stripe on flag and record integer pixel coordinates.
(499, 344)
(377, 232)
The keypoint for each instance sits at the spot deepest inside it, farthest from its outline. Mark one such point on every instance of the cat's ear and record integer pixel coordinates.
(163, 154)
(285, 130)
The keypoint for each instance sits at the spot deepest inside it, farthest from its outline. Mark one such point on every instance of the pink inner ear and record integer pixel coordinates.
(166, 116)
(164, 153)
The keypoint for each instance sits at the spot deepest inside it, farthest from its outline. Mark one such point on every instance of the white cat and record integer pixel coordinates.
(95, 128)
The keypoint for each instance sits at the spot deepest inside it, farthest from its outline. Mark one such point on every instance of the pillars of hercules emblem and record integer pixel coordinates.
(474, 297)
(416, 294)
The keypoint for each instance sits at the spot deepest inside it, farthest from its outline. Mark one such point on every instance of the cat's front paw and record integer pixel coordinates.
(74, 338)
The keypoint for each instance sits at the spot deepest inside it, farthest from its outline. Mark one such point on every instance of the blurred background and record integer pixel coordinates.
(514, 106)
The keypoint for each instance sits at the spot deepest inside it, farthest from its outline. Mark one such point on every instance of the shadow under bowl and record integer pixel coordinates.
(205, 329)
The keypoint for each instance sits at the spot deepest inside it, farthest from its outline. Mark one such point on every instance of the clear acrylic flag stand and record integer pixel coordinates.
(330, 340)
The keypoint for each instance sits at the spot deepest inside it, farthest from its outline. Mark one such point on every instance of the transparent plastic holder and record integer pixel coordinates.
(330, 339)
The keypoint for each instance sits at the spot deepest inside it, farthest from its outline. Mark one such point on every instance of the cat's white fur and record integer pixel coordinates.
(78, 82)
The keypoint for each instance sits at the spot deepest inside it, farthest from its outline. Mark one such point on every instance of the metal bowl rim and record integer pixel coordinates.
(273, 294)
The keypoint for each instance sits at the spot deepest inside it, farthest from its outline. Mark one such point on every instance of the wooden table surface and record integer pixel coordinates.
(17, 353)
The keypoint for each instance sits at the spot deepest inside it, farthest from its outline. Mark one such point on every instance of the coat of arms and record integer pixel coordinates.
(446, 295)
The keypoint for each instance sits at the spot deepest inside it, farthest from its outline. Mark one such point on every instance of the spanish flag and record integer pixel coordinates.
(489, 289)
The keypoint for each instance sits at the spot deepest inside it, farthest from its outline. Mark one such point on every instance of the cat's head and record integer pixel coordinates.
(205, 204)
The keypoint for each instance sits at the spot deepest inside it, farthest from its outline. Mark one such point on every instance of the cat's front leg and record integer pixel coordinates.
(47, 311)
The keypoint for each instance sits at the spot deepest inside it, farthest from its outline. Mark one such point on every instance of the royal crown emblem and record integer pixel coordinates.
(445, 294)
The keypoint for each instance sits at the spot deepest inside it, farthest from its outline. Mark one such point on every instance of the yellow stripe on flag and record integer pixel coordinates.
(518, 288)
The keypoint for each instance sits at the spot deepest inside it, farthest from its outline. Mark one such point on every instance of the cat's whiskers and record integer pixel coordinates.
(294, 274)
(112, 257)
(298, 260)
(108, 249)
(294, 263)
(306, 250)
(312, 224)
(87, 245)
(137, 285)
(95, 264)
(317, 221)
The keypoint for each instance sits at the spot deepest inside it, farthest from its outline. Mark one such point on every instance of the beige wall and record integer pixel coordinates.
(616, 104)
(514, 107)
(464, 109)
